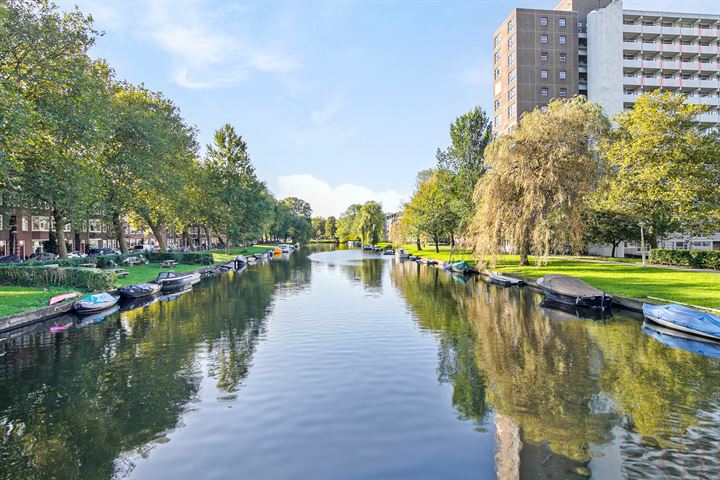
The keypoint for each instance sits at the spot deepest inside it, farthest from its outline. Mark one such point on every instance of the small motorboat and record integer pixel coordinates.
(684, 341)
(95, 303)
(573, 291)
(173, 280)
(401, 254)
(504, 281)
(64, 296)
(61, 327)
(388, 251)
(367, 247)
(684, 319)
(97, 317)
(140, 290)
(285, 248)
(461, 267)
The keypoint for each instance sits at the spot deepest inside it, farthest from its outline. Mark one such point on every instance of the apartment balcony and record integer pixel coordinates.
(630, 98)
(634, 64)
(633, 47)
(708, 118)
(670, 48)
(671, 82)
(712, 50)
(689, 32)
(669, 65)
(632, 28)
(709, 32)
(690, 83)
(582, 68)
(671, 31)
(651, 64)
(632, 81)
(651, 47)
(711, 67)
(651, 82)
(651, 30)
(709, 84)
(690, 48)
(690, 66)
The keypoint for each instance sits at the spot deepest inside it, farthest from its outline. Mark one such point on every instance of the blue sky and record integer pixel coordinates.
(339, 102)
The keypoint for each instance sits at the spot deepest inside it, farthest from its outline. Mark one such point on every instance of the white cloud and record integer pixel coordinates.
(327, 200)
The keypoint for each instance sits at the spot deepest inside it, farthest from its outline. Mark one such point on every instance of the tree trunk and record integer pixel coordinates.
(614, 246)
(452, 239)
(60, 233)
(159, 233)
(120, 232)
(417, 243)
(227, 244)
(186, 236)
(207, 237)
(437, 246)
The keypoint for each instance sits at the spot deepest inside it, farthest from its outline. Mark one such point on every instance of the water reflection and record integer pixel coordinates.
(570, 389)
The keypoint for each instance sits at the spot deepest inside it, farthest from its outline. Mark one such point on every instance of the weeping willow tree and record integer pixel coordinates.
(530, 200)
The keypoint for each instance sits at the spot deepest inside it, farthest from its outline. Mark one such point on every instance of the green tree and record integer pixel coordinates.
(538, 178)
(236, 197)
(346, 225)
(298, 207)
(330, 227)
(427, 211)
(318, 226)
(664, 166)
(610, 227)
(369, 222)
(470, 134)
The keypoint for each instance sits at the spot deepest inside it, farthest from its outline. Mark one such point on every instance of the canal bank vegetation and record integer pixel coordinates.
(84, 144)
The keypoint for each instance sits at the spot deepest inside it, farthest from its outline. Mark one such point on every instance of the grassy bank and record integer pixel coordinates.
(630, 280)
(21, 299)
(221, 257)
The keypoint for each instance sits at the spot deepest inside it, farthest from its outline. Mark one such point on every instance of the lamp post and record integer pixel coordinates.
(642, 241)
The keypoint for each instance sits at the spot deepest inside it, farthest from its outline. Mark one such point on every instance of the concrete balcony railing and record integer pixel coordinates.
(708, 66)
(669, 47)
(632, 63)
(630, 98)
(689, 66)
(632, 81)
(671, 31)
(671, 82)
(651, 47)
(651, 82)
(690, 48)
(711, 84)
(709, 32)
(632, 28)
(689, 32)
(631, 46)
(651, 64)
(690, 83)
(708, 118)
(670, 65)
(651, 30)
(713, 50)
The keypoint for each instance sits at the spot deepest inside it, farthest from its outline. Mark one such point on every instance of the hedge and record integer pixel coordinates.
(43, 276)
(691, 258)
(108, 260)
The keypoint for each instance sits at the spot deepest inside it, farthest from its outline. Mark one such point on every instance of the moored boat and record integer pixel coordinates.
(684, 319)
(140, 290)
(173, 280)
(95, 303)
(401, 254)
(573, 291)
(461, 267)
(505, 281)
(64, 296)
(684, 341)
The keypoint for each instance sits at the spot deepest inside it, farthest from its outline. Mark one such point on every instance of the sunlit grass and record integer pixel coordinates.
(20, 299)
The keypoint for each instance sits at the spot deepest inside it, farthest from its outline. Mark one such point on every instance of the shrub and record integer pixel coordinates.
(691, 258)
(182, 257)
(43, 276)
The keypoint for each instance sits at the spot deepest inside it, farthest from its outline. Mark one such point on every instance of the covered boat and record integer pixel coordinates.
(504, 281)
(461, 267)
(173, 280)
(401, 254)
(684, 341)
(140, 290)
(684, 319)
(573, 291)
(95, 303)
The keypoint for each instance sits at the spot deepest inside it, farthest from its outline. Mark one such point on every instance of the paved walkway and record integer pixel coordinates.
(649, 265)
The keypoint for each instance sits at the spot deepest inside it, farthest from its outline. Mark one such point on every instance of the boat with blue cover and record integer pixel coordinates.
(95, 303)
(683, 341)
(684, 319)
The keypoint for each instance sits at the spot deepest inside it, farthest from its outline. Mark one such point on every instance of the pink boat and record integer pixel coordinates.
(64, 296)
(60, 328)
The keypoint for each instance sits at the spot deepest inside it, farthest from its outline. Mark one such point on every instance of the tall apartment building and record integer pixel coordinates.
(612, 55)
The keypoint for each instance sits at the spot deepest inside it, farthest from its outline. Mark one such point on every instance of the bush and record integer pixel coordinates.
(43, 276)
(182, 257)
(690, 258)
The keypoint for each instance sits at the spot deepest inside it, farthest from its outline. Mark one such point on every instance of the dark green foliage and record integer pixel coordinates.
(180, 257)
(693, 258)
(43, 276)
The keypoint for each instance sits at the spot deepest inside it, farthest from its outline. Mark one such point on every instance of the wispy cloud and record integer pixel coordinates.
(328, 200)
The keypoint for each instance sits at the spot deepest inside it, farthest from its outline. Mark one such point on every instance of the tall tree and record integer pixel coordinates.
(427, 211)
(664, 165)
(330, 228)
(237, 198)
(538, 178)
(369, 222)
(298, 207)
(318, 226)
(346, 223)
(610, 227)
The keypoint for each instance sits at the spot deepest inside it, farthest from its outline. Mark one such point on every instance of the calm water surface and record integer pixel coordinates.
(341, 364)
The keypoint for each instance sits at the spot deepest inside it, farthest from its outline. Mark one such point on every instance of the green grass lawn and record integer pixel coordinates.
(149, 271)
(221, 257)
(631, 280)
(20, 299)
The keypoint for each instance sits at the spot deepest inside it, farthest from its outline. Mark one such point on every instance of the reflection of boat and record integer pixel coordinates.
(573, 291)
(95, 303)
(173, 280)
(97, 317)
(141, 302)
(140, 290)
(684, 341)
(562, 312)
(401, 254)
(169, 297)
(61, 327)
(504, 281)
(684, 319)
(460, 278)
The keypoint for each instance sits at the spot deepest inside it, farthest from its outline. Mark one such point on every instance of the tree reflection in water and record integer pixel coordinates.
(560, 389)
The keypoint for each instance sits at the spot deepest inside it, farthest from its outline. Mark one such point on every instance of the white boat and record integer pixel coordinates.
(401, 254)
(285, 248)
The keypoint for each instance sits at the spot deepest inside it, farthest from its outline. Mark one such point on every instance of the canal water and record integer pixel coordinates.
(345, 364)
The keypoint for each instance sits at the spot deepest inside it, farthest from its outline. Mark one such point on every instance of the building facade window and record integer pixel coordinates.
(511, 41)
(543, 56)
(511, 93)
(561, 21)
(511, 59)
(95, 225)
(498, 120)
(543, 21)
(563, 92)
(25, 223)
(543, 74)
(497, 104)
(511, 75)
(497, 57)
(563, 40)
(497, 40)
(544, 92)
(562, 57)
(543, 38)
(512, 109)
(41, 224)
(497, 73)
(510, 25)
(563, 74)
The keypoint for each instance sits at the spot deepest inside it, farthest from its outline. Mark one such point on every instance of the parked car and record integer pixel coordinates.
(42, 256)
(97, 252)
(145, 248)
(10, 259)
(76, 254)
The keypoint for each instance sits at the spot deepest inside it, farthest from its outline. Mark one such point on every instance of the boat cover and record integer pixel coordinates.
(461, 266)
(685, 317)
(675, 339)
(571, 286)
(141, 288)
(98, 298)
